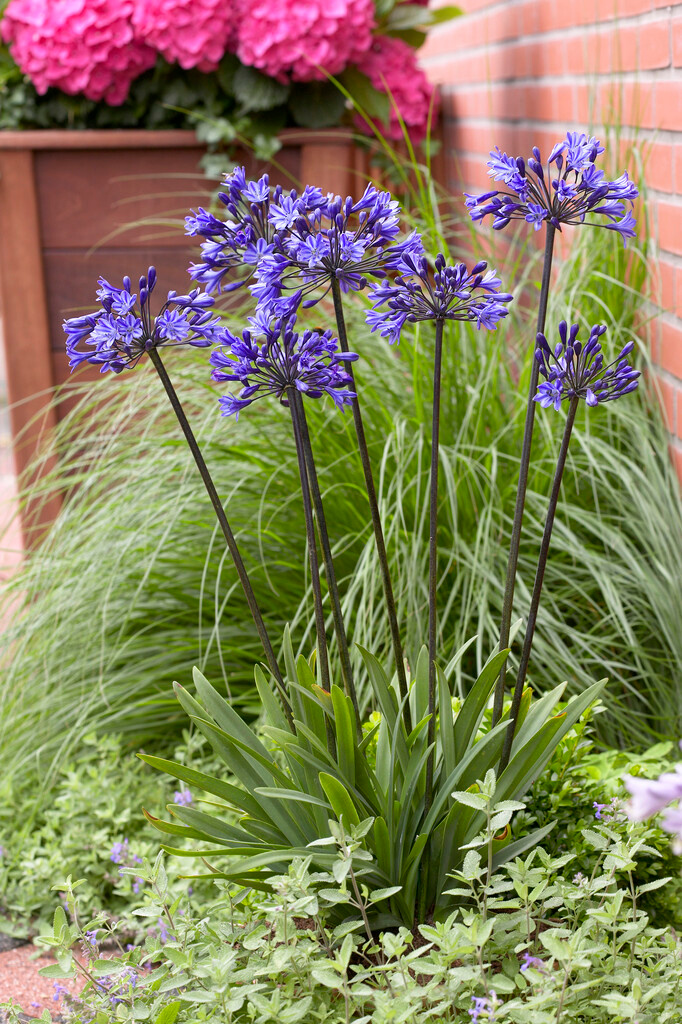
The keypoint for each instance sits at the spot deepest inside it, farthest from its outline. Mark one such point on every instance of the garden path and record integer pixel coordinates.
(20, 981)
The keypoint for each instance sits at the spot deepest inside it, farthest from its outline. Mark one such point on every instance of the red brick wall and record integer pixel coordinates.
(515, 73)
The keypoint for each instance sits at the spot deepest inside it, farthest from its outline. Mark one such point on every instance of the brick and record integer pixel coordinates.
(654, 45)
(659, 165)
(621, 8)
(670, 355)
(670, 228)
(677, 41)
(669, 105)
(625, 40)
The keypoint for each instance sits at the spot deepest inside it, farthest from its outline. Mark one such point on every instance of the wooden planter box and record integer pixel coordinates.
(77, 205)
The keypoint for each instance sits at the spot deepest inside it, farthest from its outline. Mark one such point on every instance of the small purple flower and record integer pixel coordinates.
(275, 358)
(532, 961)
(578, 190)
(598, 808)
(119, 333)
(482, 1005)
(574, 370)
(59, 991)
(182, 797)
(119, 852)
(445, 293)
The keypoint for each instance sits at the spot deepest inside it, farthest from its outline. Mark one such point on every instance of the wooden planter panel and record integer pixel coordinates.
(75, 206)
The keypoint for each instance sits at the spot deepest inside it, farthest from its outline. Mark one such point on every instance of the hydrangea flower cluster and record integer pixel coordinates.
(649, 797)
(570, 190)
(574, 370)
(122, 330)
(315, 39)
(323, 238)
(446, 293)
(273, 357)
(392, 67)
(191, 33)
(248, 233)
(78, 46)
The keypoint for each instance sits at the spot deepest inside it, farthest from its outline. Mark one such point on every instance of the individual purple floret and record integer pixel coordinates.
(483, 1005)
(182, 797)
(446, 293)
(574, 370)
(532, 961)
(119, 333)
(334, 238)
(246, 235)
(568, 190)
(273, 357)
(119, 852)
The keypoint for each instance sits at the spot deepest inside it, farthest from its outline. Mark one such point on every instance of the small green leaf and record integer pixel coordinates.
(255, 91)
(469, 799)
(383, 894)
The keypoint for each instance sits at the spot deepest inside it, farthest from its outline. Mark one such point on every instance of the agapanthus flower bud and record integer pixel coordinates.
(577, 190)
(574, 370)
(271, 357)
(444, 292)
(123, 329)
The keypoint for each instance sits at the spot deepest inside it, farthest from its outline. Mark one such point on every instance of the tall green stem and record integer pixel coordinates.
(374, 511)
(433, 561)
(537, 587)
(510, 583)
(339, 627)
(224, 526)
(323, 657)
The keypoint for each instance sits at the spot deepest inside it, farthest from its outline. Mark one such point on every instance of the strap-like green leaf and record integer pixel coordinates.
(208, 783)
(471, 712)
(344, 733)
(340, 799)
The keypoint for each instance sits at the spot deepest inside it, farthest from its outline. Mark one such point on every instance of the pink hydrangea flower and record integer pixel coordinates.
(391, 66)
(303, 39)
(79, 46)
(191, 33)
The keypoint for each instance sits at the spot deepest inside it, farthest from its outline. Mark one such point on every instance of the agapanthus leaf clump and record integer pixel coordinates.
(569, 190)
(272, 356)
(119, 333)
(574, 370)
(443, 292)
(338, 239)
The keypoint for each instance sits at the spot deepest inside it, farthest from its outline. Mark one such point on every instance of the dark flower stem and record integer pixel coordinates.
(322, 654)
(339, 627)
(510, 583)
(374, 510)
(537, 587)
(433, 561)
(225, 527)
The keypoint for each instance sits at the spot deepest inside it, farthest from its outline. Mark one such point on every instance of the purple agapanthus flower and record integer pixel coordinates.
(272, 357)
(574, 370)
(119, 333)
(445, 293)
(319, 241)
(569, 190)
(256, 215)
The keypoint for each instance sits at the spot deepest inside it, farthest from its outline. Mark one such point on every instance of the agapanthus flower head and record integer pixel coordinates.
(441, 292)
(78, 46)
(392, 67)
(191, 33)
(575, 370)
(272, 356)
(306, 41)
(118, 334)
(320, 239)
(247, 234)
(569, 189)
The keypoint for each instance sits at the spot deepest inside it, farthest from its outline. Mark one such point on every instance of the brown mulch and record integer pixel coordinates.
(21, 982)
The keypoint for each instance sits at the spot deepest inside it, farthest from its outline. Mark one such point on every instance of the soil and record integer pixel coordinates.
(21, 982)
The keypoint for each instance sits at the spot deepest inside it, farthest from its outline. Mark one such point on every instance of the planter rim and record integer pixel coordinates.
(144, 138)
